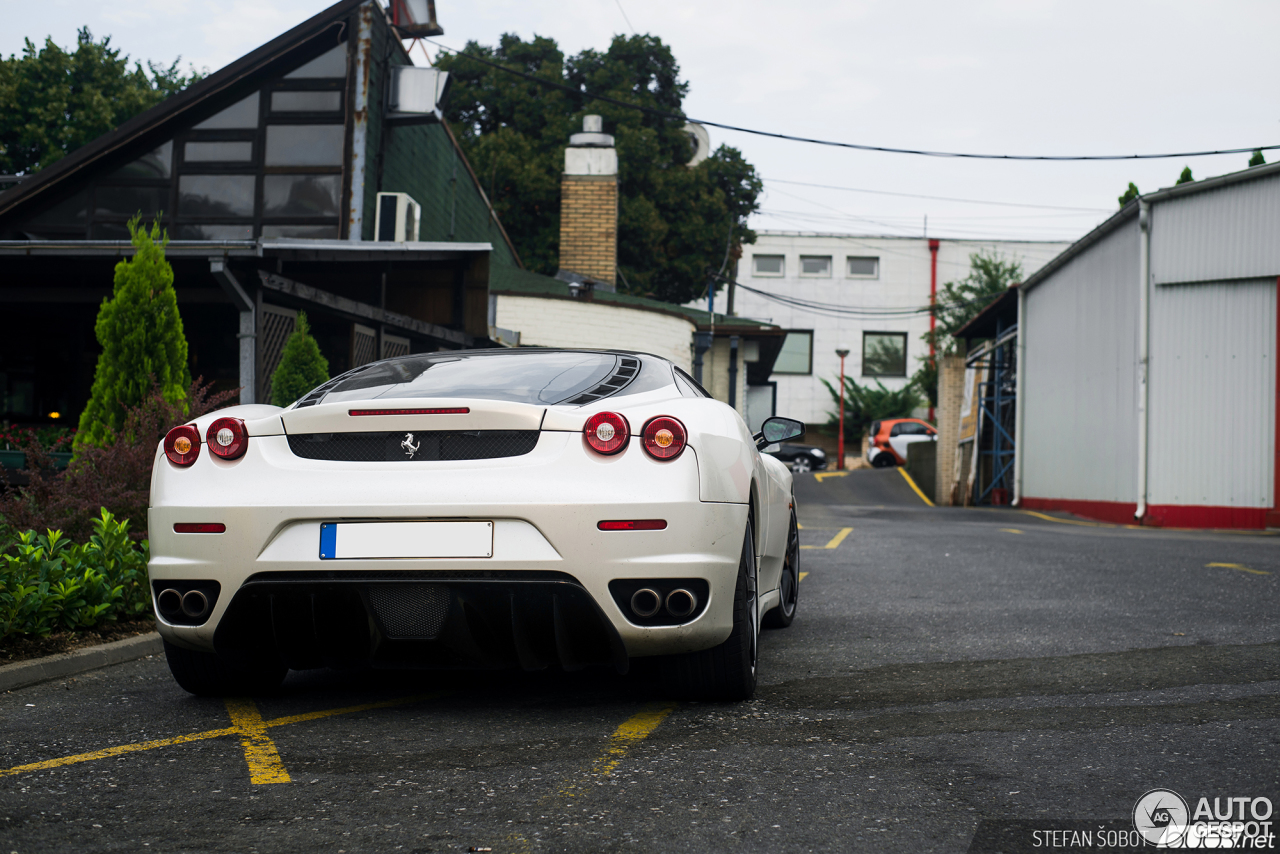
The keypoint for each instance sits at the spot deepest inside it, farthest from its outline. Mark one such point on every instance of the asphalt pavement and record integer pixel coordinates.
(956, 680)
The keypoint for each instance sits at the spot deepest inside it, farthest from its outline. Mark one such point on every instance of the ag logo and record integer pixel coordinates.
(1161, 817)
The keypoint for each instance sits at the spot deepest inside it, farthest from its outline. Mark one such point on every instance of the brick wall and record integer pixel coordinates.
(589, 225)
(558, 322)
(950, 399)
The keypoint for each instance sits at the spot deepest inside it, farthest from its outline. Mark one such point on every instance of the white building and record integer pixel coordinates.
(885, 280)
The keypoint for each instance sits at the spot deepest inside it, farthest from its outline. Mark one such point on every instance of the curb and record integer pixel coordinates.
(25, 673)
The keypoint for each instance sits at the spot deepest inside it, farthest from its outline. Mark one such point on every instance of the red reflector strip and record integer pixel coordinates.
(199, 528)
(633, 525)
(457, 410)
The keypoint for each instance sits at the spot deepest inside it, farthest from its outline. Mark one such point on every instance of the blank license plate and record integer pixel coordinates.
(346, 540)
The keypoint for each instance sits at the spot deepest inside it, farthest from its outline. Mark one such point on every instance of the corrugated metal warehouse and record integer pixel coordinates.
(1149, 383)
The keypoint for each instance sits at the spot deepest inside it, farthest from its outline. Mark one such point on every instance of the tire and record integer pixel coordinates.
(728, 671)
(802, 464)
(206, 675)
(884, 460)
(781, 615)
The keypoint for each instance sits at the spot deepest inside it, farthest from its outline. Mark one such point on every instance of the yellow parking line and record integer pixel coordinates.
(1240, 567)
(629, 733)
(823, 475)
(260, 751)
(911, 483)
(212, 733)
(834, 542)
(802, 575)
(1011, 530)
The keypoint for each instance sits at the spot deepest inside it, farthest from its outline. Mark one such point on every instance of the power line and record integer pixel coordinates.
(625, 18)
(851, 145)
(937, 198)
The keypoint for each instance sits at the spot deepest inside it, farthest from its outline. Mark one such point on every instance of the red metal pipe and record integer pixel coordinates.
(933, 300)
(840, 440)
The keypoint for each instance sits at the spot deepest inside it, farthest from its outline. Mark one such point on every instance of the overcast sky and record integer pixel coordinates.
(992, 76)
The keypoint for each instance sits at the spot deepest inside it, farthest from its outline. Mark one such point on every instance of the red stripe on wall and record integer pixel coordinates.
(1158, 515)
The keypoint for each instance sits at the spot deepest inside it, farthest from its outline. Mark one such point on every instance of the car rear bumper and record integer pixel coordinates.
(542, 597)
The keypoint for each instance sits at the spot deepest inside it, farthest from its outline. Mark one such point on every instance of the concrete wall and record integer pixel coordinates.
(559, 322)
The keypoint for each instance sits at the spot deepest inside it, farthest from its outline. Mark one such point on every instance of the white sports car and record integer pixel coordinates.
(481, 508)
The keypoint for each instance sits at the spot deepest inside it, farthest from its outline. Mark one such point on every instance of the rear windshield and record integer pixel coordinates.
(521, 376)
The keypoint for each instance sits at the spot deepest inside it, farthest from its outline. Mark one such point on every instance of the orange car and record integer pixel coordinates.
(890, 438)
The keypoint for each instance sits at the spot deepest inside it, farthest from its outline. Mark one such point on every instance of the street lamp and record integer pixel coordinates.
(840, 440)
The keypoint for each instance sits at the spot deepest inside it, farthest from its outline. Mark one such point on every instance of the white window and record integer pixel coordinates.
(768, 265)
(815, 265)
(863, 267)
(796, 356)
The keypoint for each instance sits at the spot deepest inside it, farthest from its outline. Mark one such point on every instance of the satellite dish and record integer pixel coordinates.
(699, 142)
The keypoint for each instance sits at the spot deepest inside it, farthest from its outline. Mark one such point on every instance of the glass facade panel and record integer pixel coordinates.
(301, 195)
(206, 231)
(243, 114)
(311, 232)
(204, 152)
(864, 268)
(216, 195)
(796, 356)
(127, 201)
(73, 211)
(884, 354)
(156, 165)
(767, 265)
(304, 145)
(306, 102)
(331, 63)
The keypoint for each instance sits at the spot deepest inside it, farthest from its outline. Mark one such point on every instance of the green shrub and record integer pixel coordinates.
(48, 583)
(143, 344)
(864, 404)
(302, 367)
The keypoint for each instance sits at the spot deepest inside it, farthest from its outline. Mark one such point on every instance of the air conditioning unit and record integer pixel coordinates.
(416, 94)
(397, 218)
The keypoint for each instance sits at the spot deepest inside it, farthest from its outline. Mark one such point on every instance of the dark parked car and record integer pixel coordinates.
(801, 458)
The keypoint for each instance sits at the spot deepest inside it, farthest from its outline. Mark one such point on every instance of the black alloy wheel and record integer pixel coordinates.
(781, 615)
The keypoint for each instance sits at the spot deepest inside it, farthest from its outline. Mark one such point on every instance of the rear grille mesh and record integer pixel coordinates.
(624, 373)
(410, 611)
(431, 445)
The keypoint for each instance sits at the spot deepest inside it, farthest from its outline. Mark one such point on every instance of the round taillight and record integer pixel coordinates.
(607, 432)
(182, 445)
(664, 438)
(227, 438)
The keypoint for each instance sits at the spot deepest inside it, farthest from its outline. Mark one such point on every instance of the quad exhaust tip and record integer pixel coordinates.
(195, 604)
(681, 602)
(170, 602)
(646, 602)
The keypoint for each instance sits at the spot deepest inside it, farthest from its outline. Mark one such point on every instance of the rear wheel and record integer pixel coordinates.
(727, 671)
(884, 460)
(206, 675)
(781, 615)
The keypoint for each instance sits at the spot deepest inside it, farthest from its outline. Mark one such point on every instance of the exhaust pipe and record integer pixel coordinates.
(195, 604)
(645, 602)
(169, 602)
(681, 603)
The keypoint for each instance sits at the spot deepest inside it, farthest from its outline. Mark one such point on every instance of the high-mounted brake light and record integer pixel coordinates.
(633, 525)
(199, 528)
(663, 438)
(607, 432)
(227, 438)
(182, 445)
(456, 410)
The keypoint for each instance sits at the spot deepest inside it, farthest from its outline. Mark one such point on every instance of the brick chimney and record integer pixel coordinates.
(589, 206)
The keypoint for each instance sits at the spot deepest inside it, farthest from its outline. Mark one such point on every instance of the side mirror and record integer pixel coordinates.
(779, 429)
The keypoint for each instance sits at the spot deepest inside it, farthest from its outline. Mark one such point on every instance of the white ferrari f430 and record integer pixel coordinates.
(483, 508)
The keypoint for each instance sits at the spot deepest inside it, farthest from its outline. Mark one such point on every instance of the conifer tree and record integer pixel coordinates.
(302, 367)
(1185, 177)
(143, 344)
(1257, 159)
(1130, 194)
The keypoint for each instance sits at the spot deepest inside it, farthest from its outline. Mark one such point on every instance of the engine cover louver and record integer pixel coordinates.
(413, 446)
(624, 373)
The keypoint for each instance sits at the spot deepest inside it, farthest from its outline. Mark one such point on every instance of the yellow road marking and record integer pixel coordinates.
(823, 475)
(260, 751)
(799, 526)
(1080, 522)
(629, 733)
(802, 575)
(1240, 567)
(911, 483)
(200, 736)
(834, 542)
(1011, 530)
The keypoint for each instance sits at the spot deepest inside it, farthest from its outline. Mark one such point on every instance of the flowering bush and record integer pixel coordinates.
(51, 439)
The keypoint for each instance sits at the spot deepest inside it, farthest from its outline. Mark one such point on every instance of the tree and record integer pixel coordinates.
(142, 340)
(1129, 194)
(673, 221)
(57, 100)
(1185, 177)
(864, 404)
(301, 368)
(1257, 159)
(990, 275)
